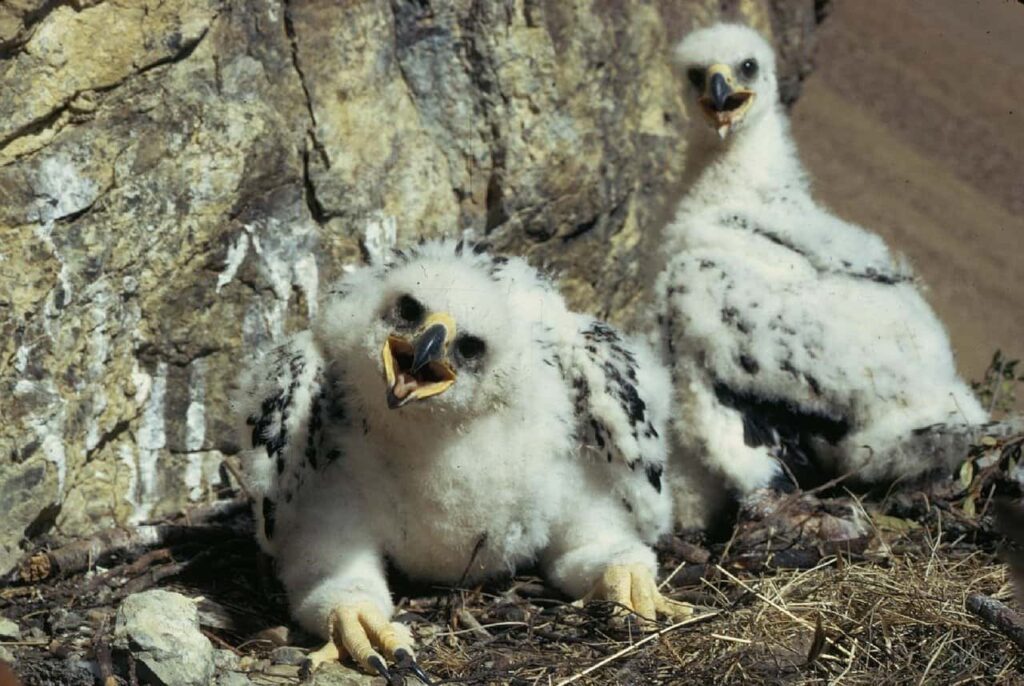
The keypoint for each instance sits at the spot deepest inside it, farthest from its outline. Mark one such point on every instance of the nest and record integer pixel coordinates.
(905, 602)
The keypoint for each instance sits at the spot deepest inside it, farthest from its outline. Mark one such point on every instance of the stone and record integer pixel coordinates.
(61, 620)
(333, 674)
(161, 629)
(182, 195)
(287, 671)
(288, 655)
(249, 663)
(226, 661)
(233, 679)
(36, 634)
(9, 630)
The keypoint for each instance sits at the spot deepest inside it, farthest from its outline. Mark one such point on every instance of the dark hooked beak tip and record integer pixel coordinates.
(394, 402)
(720, 92)
(428, 347)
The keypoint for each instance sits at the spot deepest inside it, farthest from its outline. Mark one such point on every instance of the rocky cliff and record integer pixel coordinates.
(179, 178)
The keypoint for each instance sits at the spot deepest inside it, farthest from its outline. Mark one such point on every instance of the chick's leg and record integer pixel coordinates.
(337, 588)
(359, 631)
(597, 555)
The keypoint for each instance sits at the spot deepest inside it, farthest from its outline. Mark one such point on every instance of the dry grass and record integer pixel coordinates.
(894, 617)
(778, 605)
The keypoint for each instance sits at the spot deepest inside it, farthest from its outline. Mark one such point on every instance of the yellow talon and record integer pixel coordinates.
(360, 631)
(634, 588)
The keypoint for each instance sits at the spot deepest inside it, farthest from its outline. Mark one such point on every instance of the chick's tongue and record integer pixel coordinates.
(404, 385)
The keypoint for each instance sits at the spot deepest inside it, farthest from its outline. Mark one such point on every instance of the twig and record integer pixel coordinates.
(631, 648)
(552, 637)
(732, 639)
(999, 615)
(79, 555)
(477, 628)
(101, 649)
(467, 619)
(935, 656)
(130, 569)
(236, 472)
(154, 576)
(668, 578)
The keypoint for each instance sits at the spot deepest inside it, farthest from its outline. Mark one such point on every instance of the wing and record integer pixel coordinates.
(281, 403)
(622, 400)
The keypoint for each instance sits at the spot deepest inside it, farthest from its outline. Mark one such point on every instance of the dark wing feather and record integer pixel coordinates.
(790, 433)
(283, 399)
(621, 402)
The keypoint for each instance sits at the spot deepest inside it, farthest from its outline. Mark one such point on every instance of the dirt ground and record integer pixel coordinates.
(912, 124)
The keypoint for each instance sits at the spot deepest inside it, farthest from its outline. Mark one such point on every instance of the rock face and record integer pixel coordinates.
(161, 629)
(182, 193)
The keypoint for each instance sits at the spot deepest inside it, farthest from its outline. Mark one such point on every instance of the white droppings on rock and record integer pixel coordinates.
(128, 457)
(23, 387)
(143, 383)
(286, 259)
(93, 433)
(195, 429)
(195, 415)
(379, 237)
(151, 439)
(53, 451)
(306, 277)
(48, 428)
(21, 358)
(286, 251)
(233, 260)
(61, 190)
(97, 361)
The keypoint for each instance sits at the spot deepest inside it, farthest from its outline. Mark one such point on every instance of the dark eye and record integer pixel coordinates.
(749, 68)
(409, 309)
(470, 347)
(696, 76)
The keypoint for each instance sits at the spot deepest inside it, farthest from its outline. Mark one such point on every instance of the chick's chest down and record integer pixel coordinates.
(476, 501)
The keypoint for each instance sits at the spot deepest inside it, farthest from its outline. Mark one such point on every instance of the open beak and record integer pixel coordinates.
(723, 103)
(419, 369)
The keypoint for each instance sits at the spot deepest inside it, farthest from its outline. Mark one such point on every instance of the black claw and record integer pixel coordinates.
(378, 664)
(406, 661)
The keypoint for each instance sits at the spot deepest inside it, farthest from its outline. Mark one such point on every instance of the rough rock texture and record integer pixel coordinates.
(181, 193)
(337, 675)
(9, 631)
(161, 629)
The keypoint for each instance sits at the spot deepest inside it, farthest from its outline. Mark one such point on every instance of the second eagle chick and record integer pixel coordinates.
(798, 340)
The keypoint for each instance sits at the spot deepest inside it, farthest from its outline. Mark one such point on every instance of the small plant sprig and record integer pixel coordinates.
(997, 389)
